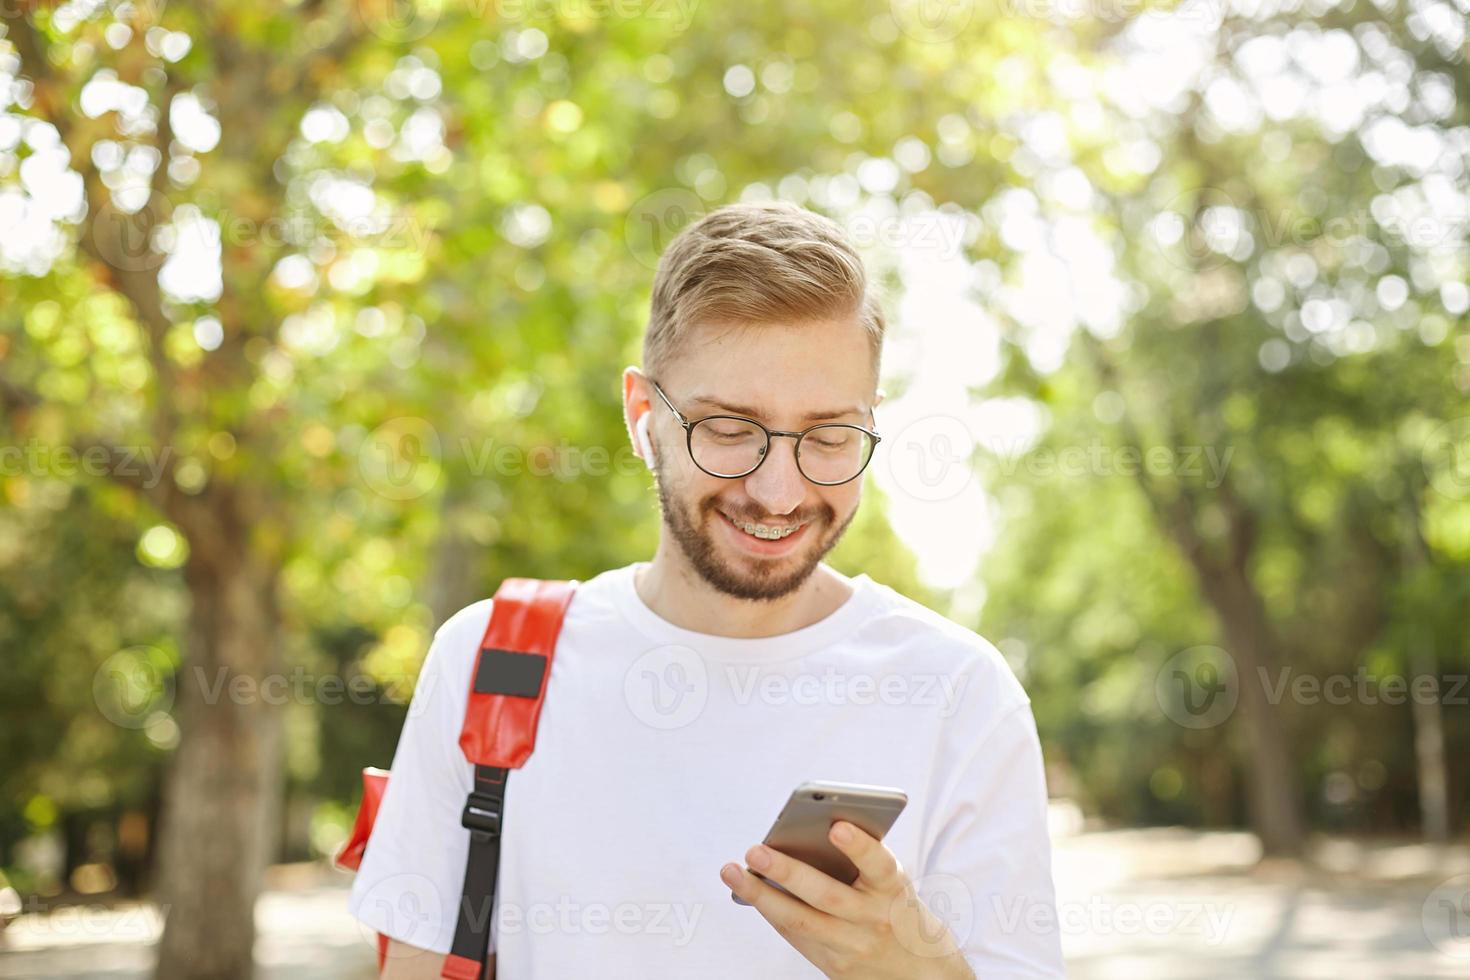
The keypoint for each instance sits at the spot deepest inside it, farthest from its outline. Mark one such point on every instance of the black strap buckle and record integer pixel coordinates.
(482, 814)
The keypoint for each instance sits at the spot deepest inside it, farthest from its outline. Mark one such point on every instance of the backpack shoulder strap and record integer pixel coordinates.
(499, 733)
(509, 682)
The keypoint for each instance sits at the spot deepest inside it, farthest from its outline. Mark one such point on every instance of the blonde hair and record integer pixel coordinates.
(763, 262)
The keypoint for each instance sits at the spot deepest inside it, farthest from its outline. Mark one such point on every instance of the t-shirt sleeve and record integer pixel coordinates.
(409, 884)
(988, 872)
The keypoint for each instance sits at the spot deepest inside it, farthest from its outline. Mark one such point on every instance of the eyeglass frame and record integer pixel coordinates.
(689, 424)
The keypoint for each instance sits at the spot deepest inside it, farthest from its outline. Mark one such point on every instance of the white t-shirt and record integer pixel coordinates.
(663, 753)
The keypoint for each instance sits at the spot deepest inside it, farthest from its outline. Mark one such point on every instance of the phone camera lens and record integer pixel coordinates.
(819, 796)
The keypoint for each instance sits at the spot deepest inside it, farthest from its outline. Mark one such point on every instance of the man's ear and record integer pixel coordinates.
(879, 400)
(636, 408)
(635, 394)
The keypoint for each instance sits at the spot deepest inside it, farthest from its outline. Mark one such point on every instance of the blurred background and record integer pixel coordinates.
(311, 320)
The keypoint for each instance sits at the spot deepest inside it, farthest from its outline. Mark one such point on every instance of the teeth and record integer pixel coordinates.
(766, 531)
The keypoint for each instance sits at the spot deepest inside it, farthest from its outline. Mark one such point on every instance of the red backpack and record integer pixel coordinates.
(499, 734)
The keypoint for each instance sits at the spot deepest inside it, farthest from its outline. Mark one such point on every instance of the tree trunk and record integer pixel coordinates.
(222, 799)
(453, 583)
(1429, 765)
(1433, 777)
(1273, 792)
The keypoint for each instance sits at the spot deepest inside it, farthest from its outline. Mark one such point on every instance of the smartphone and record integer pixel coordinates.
(800, 830)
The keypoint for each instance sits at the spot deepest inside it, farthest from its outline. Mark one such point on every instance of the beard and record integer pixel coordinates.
(757, 580)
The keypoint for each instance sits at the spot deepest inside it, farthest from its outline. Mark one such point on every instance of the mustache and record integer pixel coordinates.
(797, 517)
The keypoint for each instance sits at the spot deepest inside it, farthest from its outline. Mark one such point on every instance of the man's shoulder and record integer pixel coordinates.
(443, 683)
(946, 644)
(901, 615)
(467, 626)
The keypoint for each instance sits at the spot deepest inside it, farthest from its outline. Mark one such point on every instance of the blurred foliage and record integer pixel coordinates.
(1297, 349)
(437, 242)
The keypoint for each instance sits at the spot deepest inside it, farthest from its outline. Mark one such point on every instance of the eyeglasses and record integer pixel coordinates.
(732, 446)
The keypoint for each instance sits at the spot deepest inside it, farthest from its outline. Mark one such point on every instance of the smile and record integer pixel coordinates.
(766, 532)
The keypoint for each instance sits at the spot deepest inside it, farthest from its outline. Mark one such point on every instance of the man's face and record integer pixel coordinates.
(788, 377)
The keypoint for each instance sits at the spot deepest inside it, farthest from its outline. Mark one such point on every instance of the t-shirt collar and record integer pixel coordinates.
(831, 628)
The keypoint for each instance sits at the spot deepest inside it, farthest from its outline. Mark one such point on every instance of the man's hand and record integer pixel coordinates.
(877, 927)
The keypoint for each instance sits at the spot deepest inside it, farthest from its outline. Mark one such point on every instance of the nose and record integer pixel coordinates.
(777, 485)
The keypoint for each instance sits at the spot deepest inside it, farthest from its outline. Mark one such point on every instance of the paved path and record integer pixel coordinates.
(1179, 905)
(1133, 905)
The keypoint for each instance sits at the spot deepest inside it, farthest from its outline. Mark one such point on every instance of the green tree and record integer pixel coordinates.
(327, 260)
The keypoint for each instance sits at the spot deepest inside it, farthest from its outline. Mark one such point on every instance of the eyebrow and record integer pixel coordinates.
(754, 413)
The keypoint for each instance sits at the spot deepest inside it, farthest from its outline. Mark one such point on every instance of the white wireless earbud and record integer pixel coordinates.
(644, 442)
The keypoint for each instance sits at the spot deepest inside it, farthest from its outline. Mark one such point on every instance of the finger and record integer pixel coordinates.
(878, 867)
(813, 887)
(791, 917)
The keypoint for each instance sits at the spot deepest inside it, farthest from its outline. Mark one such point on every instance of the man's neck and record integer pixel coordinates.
(671, 587)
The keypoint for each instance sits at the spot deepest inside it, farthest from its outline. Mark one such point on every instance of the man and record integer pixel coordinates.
(691, 693)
